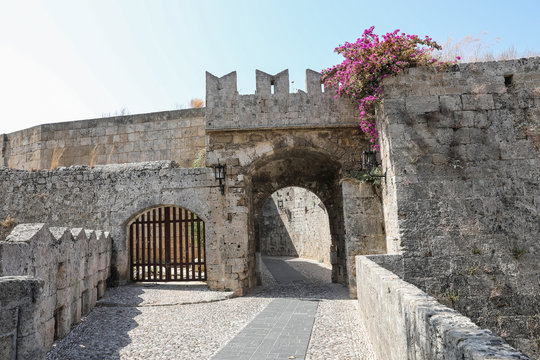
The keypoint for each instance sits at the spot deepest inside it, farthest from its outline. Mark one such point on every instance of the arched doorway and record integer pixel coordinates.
(167, 243)
(294, 222)
(311, 169)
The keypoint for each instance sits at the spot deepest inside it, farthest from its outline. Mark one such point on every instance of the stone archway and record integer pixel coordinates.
(311, 169)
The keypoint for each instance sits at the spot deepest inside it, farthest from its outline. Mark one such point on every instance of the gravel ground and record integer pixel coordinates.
(179, 321)
(158, 332)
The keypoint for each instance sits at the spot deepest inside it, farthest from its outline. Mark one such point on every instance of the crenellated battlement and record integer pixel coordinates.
(272, 105)
(267, 84)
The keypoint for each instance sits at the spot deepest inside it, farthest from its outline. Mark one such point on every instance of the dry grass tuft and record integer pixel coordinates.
(478, 48)
(6, 226)
(93, 156)
(8, 222)
(55, 158)
(196, 103)
(200, 159)
(111, 153)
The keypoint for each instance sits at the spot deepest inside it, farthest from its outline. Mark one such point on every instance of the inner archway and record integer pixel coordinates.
(294, 222)
(312, 169)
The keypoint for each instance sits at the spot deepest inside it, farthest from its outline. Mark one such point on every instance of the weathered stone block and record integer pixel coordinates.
(450, 103)
(422, 104)
(478, 102)
(7, 347)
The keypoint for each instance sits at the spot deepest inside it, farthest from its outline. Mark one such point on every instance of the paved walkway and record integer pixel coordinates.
(282, 330)
(297, 314)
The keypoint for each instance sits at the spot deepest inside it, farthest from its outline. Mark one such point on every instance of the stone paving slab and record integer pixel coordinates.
(280, 331)
(282, 272)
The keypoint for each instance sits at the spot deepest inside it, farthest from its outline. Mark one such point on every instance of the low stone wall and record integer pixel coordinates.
(403, 322)
(73, 265)
(294, 222)
(19, 300)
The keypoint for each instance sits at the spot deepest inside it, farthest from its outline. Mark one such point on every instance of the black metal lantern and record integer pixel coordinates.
(220, 172)
(280, 204)
(369, 163)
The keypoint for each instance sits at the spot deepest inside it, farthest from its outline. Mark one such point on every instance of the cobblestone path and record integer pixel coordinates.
(297, 314)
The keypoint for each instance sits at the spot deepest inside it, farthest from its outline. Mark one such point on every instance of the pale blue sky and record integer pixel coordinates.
(79, 59)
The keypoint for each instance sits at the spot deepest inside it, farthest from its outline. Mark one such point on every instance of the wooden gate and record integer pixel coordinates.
(167, 244)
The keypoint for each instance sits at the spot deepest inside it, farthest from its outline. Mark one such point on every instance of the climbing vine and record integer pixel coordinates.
(371, 59)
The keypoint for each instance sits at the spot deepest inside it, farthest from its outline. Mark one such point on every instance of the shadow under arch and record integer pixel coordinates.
(309, 168)
(166, 243)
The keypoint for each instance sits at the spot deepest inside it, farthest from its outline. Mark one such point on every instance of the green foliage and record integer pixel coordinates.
(518, 252)
(200, 159)
(451, 295)
(372, 177)
(476, 250)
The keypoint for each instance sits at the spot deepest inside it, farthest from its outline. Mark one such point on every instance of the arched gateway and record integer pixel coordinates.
(274, 139)
(167, 243)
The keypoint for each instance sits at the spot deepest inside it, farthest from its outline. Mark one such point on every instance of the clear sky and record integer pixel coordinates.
(66, 60)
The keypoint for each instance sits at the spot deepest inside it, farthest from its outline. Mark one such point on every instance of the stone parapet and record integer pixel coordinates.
(72, 265)
(403, 322)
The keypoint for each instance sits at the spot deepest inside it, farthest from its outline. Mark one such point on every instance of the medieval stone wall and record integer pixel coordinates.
(73, 266)
(170, 135)
(110, 196)
(272, 105)
(294, 222)
(461, 148)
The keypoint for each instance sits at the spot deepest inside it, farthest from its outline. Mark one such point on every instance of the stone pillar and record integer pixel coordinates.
(364, 225)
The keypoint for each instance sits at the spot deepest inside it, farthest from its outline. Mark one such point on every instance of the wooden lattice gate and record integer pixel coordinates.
(167, 244)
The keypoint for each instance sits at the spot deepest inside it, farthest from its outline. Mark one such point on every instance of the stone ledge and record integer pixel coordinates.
(139, 166)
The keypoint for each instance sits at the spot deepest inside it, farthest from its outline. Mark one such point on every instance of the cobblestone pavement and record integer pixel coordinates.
(179, 321)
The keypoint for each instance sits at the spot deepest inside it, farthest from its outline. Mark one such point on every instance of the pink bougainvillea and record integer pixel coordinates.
(371, 59)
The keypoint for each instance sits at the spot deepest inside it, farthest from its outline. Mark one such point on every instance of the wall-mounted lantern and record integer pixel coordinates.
(369, 163)
(280, 204)
(220, 173)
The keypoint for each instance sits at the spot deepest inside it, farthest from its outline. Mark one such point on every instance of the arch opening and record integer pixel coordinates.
(167, 243)
(310, 169)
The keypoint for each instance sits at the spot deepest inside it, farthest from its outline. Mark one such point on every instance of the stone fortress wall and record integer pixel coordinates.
(462, 153)
(50, 278)
(169, 135)
(459, 207)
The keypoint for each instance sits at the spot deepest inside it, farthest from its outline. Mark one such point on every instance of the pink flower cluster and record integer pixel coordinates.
(371, 59)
